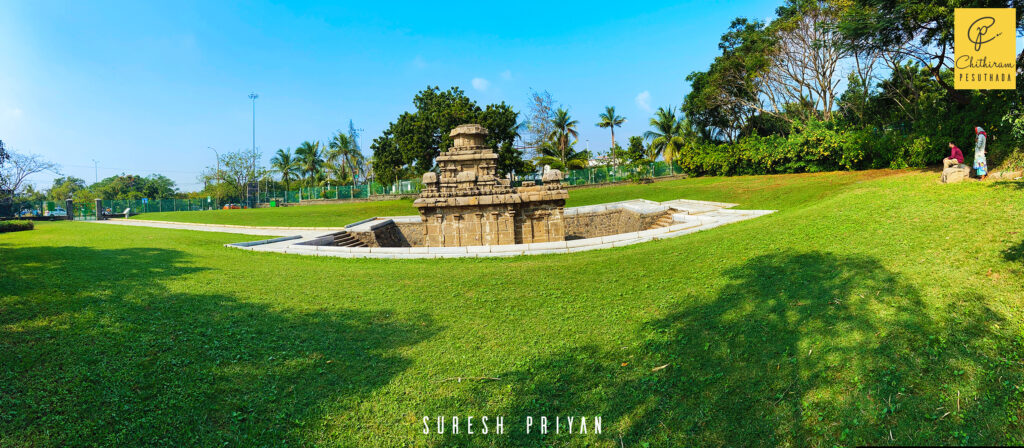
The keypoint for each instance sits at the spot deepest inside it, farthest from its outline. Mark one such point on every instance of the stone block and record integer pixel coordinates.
(547, 251)
(590, 247)
(619, 237)
(547, 245)
(389, 250)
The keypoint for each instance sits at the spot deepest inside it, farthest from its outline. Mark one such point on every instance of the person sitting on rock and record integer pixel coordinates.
(956, 157)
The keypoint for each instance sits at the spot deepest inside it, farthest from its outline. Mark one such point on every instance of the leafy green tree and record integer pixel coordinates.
(914, 30)
(130, 186)
(387, 163)
(237, 171)
(64, 187)
(437, 113)
(636, 151)
(609, 119)
(286, 166)
(722, 97)
(410, 144)
(503, 126)
(417, 138)
(158, 186)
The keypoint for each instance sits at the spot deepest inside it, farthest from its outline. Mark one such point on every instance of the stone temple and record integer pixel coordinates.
(466, 210)
(469, 205)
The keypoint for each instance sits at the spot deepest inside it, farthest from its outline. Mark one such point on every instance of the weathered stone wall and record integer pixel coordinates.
(393, 235)
(607, 222)
(368, 238)
(400, 235)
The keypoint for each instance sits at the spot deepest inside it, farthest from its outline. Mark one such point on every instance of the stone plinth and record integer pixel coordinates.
(468, 205)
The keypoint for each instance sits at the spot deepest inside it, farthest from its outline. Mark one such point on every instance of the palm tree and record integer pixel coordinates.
(610, 120)
(339, 173)
(564, 127)
(337, 156)
(310, 159)
(557, 158)
(667, 136)
(343, 151)
(286, 165)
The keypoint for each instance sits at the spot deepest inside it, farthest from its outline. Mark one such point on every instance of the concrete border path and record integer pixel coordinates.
(223, 228)
(688, 216)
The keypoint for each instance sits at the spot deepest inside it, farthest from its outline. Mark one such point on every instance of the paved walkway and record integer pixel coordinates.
(224, 228)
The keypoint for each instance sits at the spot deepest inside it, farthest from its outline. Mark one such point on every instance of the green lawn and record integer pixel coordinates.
(752, 192)
(870, 309)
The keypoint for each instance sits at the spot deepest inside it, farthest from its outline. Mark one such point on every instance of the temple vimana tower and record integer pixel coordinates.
(469, 205)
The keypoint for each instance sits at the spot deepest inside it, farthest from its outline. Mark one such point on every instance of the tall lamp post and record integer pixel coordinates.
(96, 171)
(217, 155)
(253, 96)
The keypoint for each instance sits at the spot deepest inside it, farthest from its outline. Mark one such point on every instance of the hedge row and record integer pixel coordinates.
(14, 226)
(816, 147)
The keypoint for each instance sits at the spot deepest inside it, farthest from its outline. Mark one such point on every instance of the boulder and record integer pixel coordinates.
(955, 174)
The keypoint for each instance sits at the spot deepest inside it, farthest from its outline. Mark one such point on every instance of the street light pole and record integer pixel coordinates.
(253, 96)
(217, 155)
(96, 171)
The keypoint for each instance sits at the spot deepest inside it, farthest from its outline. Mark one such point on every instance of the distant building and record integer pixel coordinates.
(601, 161)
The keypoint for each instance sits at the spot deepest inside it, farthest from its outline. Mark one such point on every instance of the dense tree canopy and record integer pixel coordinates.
(130, 186)
(774, 100)
(410, 144)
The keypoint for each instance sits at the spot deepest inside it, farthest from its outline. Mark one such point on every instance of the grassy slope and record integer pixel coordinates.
(880, 312)
(751, 192)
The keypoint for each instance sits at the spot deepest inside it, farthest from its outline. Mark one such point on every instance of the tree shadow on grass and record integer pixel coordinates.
(1013, 184)
(1015, 253)
(799, 349)
(96, 349)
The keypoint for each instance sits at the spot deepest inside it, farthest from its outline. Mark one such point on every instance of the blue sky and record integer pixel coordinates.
(146, 87)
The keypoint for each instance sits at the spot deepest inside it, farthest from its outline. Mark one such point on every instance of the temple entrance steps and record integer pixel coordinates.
(665, 221)
(344, 239)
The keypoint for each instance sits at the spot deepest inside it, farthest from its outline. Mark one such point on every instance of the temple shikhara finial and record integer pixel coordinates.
(468, 204)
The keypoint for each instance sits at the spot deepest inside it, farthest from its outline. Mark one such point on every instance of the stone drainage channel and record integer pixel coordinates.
(686, 217)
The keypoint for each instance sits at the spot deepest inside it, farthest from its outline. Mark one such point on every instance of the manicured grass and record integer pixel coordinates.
(751, 192)
(877, 310)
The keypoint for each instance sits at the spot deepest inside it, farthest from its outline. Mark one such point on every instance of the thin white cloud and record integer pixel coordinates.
(419, 63)
(12, 113)
(481, 84)
(643, 100)
(506, 75)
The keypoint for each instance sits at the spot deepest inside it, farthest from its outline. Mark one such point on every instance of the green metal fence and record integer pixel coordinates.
(588, 176)
(46, 209)
(607, 173)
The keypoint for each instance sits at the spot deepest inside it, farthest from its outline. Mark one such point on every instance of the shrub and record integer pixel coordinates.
(15, 226)
(813, 146)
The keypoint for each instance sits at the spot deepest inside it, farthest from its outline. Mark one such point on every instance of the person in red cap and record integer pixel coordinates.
(956, 157)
